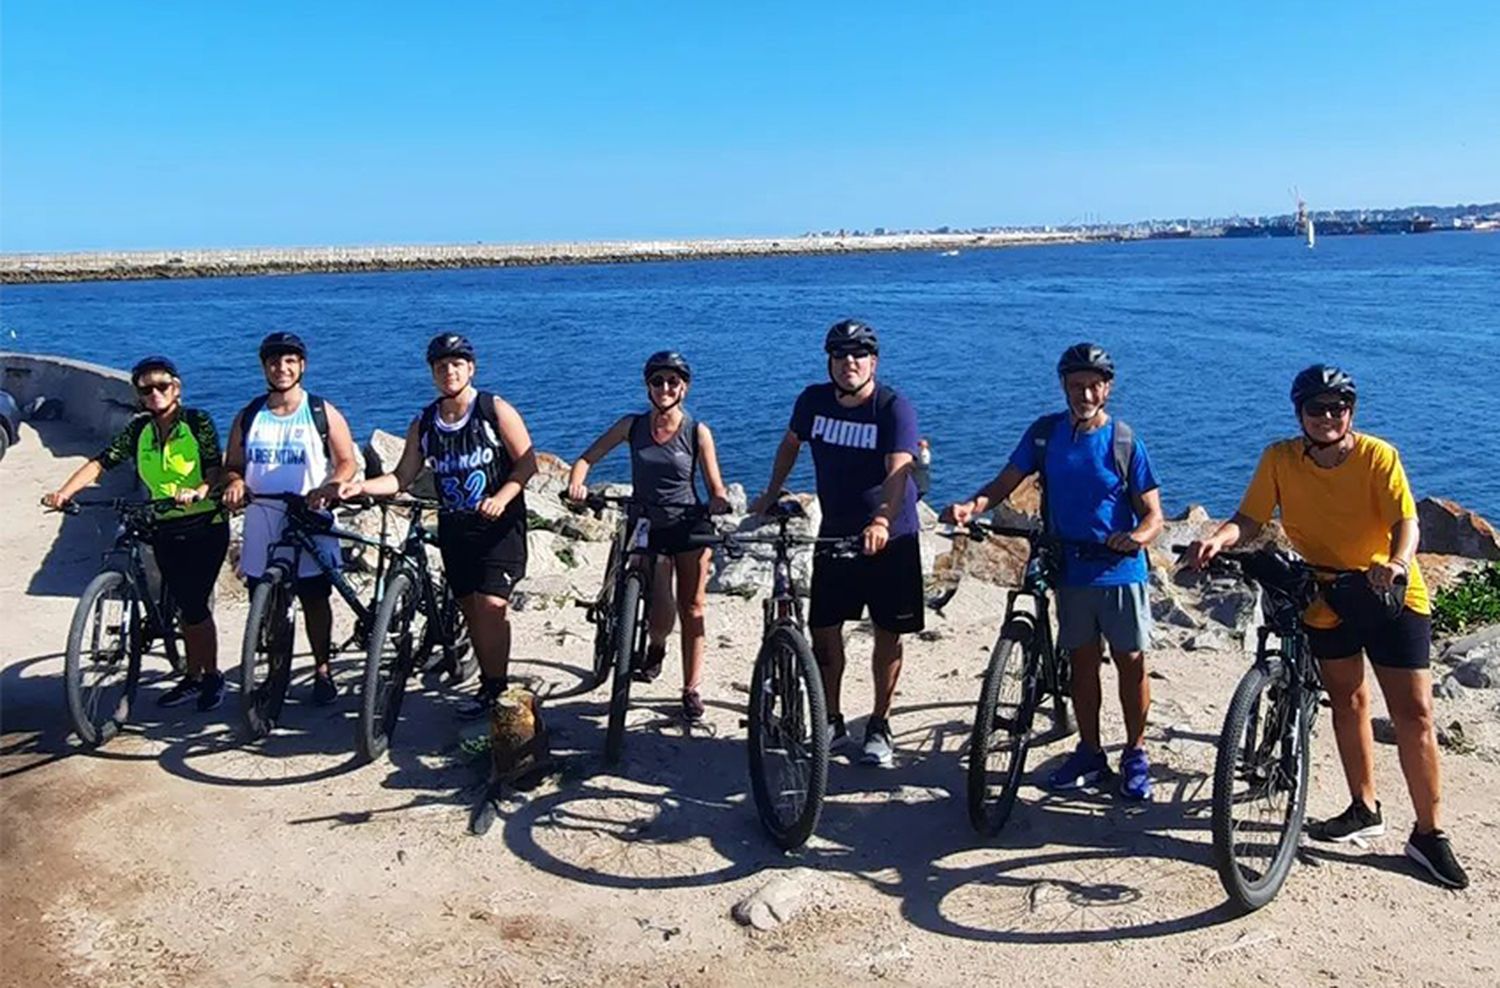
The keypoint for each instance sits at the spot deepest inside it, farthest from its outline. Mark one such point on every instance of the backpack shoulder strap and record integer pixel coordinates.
(246, 417)
(1123, 448)
(486, 401)
(318, 409)
(1040, 432)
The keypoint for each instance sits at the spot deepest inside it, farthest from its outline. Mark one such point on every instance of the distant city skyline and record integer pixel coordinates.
(190, 125)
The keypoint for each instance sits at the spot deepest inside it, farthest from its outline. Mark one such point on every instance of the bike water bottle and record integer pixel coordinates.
(923, 472)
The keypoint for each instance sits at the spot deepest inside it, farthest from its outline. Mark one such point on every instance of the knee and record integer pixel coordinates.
(692, 609)
(1414, 719)
(1348, 700)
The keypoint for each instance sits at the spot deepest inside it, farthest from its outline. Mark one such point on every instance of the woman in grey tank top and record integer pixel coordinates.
(668, 449)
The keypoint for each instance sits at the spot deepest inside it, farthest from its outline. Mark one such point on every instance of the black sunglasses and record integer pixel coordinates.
(858, 353)
(160, 387)
(1326, 409)
(662, 381)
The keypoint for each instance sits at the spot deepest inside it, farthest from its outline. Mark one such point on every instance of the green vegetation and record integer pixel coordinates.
(1473, 600)
(565, 553)
(537, 523)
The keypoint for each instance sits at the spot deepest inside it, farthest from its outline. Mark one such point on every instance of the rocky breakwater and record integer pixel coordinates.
(1195, 612)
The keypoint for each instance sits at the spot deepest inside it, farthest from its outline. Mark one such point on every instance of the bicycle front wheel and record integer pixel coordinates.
(1260, 787)
(102, 667)
(788, 738)
(388, 664)
(628, 618)
(266, 654)
(1001, 737)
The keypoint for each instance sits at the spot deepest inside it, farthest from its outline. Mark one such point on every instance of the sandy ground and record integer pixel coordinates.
(178, 856)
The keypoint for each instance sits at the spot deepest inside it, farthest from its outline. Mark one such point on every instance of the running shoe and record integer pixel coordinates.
(1084, 767)
(650, 667)
(1135, 775)
(324, 691)
(838, 734)
(1433, 852)
(212, 693)
(692, 706)
(479, 704)
(184, 691)
(1358, 822)
(879, 749)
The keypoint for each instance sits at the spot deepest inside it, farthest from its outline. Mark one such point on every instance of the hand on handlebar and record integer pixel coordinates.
(191, 495)
(1200, 552)
(233, 497)
(56, 500)
(1124, 543)
(875, 536)
(762, 503)
(958, 514)
(577, 492)
(719, 505)
(492, 508)
(1383, 576)
(321, 497)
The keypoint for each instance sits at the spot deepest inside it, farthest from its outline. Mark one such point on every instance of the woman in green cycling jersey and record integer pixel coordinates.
(176, 455)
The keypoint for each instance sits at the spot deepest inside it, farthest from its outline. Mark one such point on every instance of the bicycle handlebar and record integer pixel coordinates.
(1242, 555)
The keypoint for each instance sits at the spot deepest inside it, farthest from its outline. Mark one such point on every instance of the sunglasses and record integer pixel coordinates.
(159, 387)
(663, 381)
(856, 354)
(1326, 409)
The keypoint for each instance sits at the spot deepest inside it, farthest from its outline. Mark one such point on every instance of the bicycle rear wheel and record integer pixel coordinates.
(266, 653)
(788, 738)
(1001, 737)
(102, 667)
(629, 618)
(388, 664)
(1260, 787)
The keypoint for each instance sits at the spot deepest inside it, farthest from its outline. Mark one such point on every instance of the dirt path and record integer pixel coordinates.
(176, 856)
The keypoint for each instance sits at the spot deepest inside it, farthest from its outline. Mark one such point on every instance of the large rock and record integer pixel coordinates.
(1001, 561)
(1481, 672)
(551, 474)
(382, 451)
(1453, 530)
(774, 902)
(1023, 507)
(1443, 572)
(1189, 526)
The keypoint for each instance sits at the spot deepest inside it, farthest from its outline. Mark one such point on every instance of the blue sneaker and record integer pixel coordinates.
(1135, 775)
(1084, 766)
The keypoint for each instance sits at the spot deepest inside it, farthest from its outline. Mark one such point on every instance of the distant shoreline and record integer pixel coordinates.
(39, 268)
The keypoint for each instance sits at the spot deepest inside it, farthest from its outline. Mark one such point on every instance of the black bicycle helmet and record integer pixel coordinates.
(670, 360)
(1085, 357)
(1321, 379)
(850, 336)
(155, 362)
(278, 343)
(449, 345)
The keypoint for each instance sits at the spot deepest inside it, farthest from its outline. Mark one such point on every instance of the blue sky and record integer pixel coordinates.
(209, 124)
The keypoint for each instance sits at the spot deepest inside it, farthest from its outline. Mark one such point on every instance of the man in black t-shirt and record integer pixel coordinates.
(864, 438)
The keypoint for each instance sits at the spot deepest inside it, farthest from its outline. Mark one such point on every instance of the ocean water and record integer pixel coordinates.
(1206, 334)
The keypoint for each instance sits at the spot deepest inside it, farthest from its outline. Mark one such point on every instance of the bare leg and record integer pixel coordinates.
(489, 627)
(663, 606)
(1086, 693)
(885, 669)
(1135, 696)
(1349, 695)
(201, 642)
(692, 602)
(828, 648)
(1408, 696)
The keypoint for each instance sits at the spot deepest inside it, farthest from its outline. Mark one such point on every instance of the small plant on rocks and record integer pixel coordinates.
(1474, 600)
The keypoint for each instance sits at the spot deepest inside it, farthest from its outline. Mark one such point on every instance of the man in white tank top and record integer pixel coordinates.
(282, 449)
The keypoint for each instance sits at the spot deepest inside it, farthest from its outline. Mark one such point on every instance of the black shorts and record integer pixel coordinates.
(307, 588)
(481, 556)
(1403, 642)
(889, 583)
(670, 539)
(190, 552)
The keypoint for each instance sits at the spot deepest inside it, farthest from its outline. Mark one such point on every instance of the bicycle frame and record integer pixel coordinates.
(298, 538)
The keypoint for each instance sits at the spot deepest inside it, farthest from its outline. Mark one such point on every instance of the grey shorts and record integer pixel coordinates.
(1122, 615)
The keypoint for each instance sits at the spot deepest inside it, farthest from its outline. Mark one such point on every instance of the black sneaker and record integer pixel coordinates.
(838, 734)
(1358, 822)
(483, 699)
(650, 667)
(324, 690)
(184, 691)
(692, 706)
(1432, 852)
(880, 748)
(211, 695)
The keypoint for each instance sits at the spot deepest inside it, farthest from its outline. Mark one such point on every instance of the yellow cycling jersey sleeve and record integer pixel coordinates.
(1339, 517)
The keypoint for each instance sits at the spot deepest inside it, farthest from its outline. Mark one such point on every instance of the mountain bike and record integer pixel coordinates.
(620, 613)
(788, 713)
(1026, 669)
(116, 621)
(1261, 769)
(266, 651)
(416, 616)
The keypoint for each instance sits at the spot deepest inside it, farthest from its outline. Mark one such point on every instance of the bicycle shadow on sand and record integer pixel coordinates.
(1067, 869)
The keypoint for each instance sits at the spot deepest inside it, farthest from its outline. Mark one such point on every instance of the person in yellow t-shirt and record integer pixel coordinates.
(1345, 504)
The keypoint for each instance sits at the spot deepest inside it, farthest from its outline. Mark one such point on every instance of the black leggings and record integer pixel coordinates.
(189, 554)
